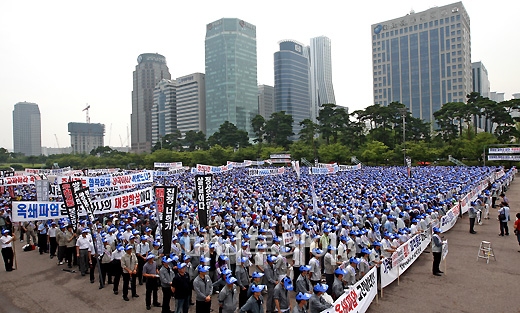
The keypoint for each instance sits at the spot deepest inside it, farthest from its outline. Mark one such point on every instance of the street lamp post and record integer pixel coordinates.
(403, 112)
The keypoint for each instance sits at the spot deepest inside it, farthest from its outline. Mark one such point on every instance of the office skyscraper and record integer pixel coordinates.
(27, 130)
(164, 110)
(191, 103)
(480, 79)
(423, 60)
(291, 82)
(231, 87)
(265, 101)
(150, 69)
(322, 91)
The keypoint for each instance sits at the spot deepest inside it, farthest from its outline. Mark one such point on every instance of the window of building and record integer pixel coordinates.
(415, 27)
(420, 26)
(431, 24)
(458, 17)
(452, 19)
(436, 22)
(459, 46)
(460, 72)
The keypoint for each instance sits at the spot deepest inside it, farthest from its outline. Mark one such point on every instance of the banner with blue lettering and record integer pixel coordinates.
(111, 183)
(42, 210)
(266, 171)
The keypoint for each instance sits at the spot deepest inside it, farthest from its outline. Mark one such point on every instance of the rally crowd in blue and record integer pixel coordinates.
(314, 235)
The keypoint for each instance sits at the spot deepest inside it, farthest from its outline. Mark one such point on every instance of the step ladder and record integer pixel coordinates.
(485, 251)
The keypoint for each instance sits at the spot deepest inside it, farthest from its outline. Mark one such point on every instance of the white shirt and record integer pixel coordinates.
(6, 241)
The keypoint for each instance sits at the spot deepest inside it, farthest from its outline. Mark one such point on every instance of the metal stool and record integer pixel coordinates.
(485, 251)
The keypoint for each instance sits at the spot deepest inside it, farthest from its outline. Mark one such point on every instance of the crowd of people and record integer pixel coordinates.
(273, 243)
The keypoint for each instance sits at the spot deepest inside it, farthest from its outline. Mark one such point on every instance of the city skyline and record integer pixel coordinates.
(64, 68)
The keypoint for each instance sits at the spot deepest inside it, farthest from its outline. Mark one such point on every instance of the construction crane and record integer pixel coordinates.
(57, 142)
(86, 109)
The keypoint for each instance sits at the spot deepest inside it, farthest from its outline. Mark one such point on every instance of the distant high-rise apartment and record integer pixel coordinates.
(84, 137)
(231, 67)
(291, 82)
(423, 60)
(322, 91)
(164, 110)
(27, 129)
(265, 101)
(150, 69)
(191, 103)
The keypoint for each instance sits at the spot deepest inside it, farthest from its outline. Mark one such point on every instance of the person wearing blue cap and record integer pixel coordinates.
(181, 289)
(270, 280)
(256, 279)
(129, 266)
(203, 289)
(51, 239)
(255, 303)
(83, 245)
(301, 303)
(166, 275)
(350, 272)
(7, 249)
(115, 267)
(315, 265)
(329, 264)
(316, 302)
(281, 295)
(338, 287)
(42, 238)
(242, 275)
(436, 251)
(151, 273)
(303, 284)
(228, 296)
(141, 251)
(364, 265)
(62, 243)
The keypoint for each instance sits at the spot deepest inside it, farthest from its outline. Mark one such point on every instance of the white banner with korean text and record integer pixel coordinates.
(357, 298)
(405, 255)
(266, 171)
(110, 183)
(42, 210)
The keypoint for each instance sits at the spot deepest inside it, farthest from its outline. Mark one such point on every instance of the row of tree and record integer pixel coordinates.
(375, 135)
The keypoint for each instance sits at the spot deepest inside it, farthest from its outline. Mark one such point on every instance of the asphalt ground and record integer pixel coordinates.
(468, 285)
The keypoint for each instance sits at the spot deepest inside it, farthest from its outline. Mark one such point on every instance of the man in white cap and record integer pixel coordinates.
(7, 249)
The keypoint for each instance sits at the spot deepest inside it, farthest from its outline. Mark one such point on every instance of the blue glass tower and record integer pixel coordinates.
(291, 82)
(423, 60)
(231, 87)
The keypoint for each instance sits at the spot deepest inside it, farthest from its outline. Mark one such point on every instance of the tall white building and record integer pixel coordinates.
(191, 103)
(423, 59)
(480, 79)
(322, 91)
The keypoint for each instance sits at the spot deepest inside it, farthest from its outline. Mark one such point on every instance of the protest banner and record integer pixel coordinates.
(109, 183)
(406, 254)
(18, 180)
(266, 171)
(70, 206)
(166, 198)
(344, 168)
(330, 169)
(38, 210)
(203, 185)
(42, 190)
(172, 165)
(448, 221)
(288, 237)
(203, 169)
(358, 297)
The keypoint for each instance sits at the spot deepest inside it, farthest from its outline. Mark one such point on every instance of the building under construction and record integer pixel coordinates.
(86, 136)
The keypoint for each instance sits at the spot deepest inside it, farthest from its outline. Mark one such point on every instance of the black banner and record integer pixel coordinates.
(82, 197)
(203, 185)
(68, 193)
(166, 199)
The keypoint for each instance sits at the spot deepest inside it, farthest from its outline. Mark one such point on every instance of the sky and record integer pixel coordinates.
(64, 55)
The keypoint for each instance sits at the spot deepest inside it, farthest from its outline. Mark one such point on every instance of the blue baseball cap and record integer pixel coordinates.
(182, 265)
(340, 271)
(257, 275)
(321, 287)
(354, 260)
(231, 280)
(128, 247)
(203, 269)
(257, 288)
(287, 283)
(303, 296)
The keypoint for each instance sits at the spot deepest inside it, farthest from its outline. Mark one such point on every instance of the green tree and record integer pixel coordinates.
(258, 125)
(376, 152)
(169, 142)
(278, 129)
(228, 135)
(334, 153)
(195, 140)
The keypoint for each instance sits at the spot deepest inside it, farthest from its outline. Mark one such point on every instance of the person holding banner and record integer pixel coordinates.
(436, 251)
(517, 228)
(316, 302)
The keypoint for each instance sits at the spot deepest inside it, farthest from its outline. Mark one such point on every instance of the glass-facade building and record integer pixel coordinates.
(291, 82)
(423, 60)
(265, 101)
(164, 110)
(322, 90)
(231, 74)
